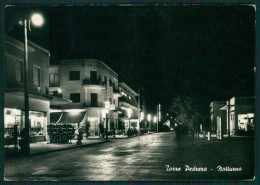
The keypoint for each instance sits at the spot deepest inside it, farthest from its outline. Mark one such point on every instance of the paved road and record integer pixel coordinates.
(140, 158)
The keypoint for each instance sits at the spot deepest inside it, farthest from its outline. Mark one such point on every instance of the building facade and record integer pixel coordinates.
(240, 113)
(129, 117)
(38, 84)
(92, 88)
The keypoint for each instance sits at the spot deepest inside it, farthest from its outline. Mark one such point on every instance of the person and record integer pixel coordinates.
(87, 129)
(22, 140)
(101, 131)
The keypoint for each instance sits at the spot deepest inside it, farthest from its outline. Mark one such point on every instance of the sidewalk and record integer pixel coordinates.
(44, 147)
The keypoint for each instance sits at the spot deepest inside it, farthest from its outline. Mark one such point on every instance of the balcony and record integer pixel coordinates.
(90, 82)
(93, 104)
(131, 101)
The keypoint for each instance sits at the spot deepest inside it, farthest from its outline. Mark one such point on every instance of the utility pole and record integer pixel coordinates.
(26, 149)
(228, 131)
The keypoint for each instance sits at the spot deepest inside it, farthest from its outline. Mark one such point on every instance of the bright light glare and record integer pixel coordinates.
(37, 19)
(142, 116)
(129, 112)
(107, 104)
(154, 119)
(149, 117)
(59, 90)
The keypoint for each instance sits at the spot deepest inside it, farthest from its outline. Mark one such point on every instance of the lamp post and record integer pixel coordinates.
(37, 20)
(107, 105)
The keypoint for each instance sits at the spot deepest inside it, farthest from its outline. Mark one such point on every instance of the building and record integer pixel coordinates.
(92, 88)
(38, 84)
(240, 113)
(128, 106)
(216, 114)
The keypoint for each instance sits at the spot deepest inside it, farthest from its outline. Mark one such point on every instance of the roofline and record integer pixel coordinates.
(39, 47)
(9, 40)
(243, 97)
(100, 61)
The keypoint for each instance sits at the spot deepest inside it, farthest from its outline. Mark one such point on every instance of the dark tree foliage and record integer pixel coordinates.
(189, 111)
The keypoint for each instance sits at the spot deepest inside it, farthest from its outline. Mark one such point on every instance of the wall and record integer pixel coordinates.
(36, 56)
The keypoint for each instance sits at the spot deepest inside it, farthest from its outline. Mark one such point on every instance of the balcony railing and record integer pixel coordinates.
(93, 104)
(93, 82)
(131, 101)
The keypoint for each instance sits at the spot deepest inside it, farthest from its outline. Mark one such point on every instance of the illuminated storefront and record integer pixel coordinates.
(246, 122)
(38, 123)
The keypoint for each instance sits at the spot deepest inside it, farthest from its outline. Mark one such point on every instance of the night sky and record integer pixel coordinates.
(203, 51)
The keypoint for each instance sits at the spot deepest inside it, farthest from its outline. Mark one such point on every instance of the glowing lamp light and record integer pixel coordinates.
(142, 116)
(129, 113)
(154, 119)
(107, 104)
(37, 19)
(59, 90)
(149, 117)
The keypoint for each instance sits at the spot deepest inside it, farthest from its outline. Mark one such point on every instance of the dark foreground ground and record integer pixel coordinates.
(152, 157)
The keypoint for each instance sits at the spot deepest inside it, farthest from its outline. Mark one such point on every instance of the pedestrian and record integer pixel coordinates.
(22, 140)
(87, 129)
(101, 131)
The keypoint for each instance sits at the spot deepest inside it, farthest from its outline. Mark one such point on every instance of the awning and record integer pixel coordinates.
(72, 117)
(55, 116)
(31, 95)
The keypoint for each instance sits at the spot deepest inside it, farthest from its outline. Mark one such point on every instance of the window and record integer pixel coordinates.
(94, 99)
(74, 75)
(110, 83)
(75, 97)
(19, 71)
(54, 80)
(55, 93)
(37, 76)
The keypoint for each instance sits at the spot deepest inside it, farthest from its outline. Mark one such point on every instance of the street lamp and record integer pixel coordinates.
(107, 105)
(142, 116)
(129, 114)
(37, 20)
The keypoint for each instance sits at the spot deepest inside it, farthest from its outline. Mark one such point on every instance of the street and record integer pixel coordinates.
(151, 157)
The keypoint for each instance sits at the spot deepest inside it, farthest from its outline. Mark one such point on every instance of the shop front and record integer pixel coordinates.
(15, 118)
(14, 115)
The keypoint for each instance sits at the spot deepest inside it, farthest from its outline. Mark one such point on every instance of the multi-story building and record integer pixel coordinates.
(240, 114)
(38, 84)
(128, 105)
(90, 85)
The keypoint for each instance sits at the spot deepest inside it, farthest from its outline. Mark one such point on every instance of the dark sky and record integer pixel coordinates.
(202, 51)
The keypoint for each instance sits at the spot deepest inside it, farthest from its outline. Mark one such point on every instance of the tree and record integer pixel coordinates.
(188, 111)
